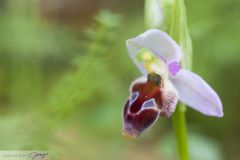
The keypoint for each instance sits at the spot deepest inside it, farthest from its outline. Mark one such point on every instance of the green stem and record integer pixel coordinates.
(180, 126)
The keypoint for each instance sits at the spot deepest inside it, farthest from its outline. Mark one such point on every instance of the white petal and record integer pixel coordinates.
(196, 93)
(158, 42)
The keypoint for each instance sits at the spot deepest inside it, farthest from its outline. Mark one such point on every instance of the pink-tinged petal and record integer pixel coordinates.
(158, 42)
(196, 93)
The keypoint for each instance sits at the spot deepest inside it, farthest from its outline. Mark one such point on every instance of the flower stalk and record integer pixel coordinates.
(180, 127)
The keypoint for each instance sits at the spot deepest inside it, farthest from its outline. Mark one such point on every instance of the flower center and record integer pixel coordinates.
(157, 65)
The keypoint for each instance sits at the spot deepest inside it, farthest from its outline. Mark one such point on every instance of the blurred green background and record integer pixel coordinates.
(65, 73)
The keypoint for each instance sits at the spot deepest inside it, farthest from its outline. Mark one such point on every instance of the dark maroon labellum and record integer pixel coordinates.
(143, 107)
(135, 124)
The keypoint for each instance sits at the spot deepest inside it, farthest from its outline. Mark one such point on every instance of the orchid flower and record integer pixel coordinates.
(163, 83)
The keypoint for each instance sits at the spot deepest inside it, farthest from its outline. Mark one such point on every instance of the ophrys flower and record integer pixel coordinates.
(163, 83)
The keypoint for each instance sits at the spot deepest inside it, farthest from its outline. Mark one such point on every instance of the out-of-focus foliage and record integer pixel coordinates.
(62, 88)
(85, 81)
(200, 147)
